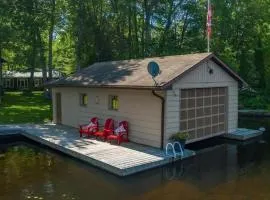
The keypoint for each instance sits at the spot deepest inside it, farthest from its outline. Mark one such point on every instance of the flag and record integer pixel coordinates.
(209, 20)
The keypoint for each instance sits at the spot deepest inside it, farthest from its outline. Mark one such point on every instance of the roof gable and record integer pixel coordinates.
(219, 63)
(134, 74)
(207, 73)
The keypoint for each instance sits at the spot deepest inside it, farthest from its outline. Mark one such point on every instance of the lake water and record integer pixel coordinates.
(223, 169)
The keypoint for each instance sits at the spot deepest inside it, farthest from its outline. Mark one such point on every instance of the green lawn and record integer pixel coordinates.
(20, 108)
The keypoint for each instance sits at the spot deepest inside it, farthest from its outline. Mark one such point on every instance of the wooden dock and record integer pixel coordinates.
(243, 134)
(122, 160)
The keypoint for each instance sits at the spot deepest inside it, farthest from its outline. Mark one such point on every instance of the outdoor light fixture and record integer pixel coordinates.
(209, 69)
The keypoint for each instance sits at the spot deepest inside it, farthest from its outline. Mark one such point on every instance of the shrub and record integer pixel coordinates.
(253, 100)
(179, 136)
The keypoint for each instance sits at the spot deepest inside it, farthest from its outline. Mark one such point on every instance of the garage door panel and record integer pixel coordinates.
(184, 103)
(222, 90)
(215, 91)
(183, 124)
(215, 100)
(207, 101)
(184, 115)
(191, 124)
(215, 119)
(200, 132)
(221, 100)
(199, 92)
(215, 129)
(203, 111)
(192, 134)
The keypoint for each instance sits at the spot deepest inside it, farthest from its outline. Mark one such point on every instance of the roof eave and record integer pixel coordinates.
(105, 86)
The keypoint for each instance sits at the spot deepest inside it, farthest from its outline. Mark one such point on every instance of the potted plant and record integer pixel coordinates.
(180, 137)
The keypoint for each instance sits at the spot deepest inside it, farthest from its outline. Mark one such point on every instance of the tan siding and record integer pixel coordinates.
(171, 113)
(200, 78)
(53, 105)
(70, 103)
(140, 108)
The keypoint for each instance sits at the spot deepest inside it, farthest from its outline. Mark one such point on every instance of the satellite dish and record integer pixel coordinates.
(153, 69)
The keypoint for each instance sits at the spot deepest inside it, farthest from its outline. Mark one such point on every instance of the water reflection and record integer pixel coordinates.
(227, 170)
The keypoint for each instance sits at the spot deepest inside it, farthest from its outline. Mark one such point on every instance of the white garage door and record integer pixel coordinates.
(203, 112)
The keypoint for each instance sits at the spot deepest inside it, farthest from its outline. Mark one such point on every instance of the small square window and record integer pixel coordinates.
(83, 99)
(113, 102)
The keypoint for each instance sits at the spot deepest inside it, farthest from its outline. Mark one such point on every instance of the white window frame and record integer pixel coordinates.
(83, 99)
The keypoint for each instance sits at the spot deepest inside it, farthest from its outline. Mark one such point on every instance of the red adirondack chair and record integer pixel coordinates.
(108, 129)
(122, 135)
(89, 129)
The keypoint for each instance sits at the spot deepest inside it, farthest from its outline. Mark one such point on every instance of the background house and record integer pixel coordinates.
(14, 80)
(196, 93)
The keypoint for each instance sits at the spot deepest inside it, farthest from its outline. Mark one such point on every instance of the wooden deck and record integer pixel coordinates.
(126, 159)
(243, 134)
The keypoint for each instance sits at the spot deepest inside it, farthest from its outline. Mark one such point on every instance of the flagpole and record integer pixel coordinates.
(208, 35)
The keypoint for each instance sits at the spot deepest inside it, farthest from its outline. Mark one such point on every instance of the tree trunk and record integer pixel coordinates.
(183, 32)
(1, 77)
(147, 33)
(136, 39)
(167, 27)
(129, 31)
(42, 59)
(79, 37)
(33, 60)
(259, 63)
(51, 29)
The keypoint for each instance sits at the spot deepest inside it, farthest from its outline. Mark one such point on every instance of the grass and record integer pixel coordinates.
(18, 107)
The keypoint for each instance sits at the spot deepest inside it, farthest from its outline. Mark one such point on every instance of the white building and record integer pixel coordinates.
(197, 93)
(15, 80)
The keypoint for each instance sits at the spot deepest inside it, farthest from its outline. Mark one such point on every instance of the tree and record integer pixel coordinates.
(5, 37)
(259, 63)
(72, 34)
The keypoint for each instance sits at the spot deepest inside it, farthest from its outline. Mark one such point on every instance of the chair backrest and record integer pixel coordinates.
(125, 125)
(94, 120)
(109, 124)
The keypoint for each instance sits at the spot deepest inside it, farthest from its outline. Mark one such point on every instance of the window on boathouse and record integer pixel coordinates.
(83, 99)
(113, 102)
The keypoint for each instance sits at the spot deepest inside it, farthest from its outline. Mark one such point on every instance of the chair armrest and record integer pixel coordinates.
(94, 128)
(123, 134)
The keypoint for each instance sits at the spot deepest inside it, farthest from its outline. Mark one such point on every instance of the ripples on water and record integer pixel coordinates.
(226, 170)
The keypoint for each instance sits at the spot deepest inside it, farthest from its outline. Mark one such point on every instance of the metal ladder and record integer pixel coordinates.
(172, 145)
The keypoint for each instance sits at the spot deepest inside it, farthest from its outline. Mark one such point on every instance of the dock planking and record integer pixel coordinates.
(122, 160)
(243, 134)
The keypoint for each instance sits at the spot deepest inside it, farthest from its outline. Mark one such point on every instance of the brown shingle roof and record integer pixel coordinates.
(133, 73)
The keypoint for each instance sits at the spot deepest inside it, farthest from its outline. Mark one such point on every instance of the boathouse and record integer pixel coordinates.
(196, 93)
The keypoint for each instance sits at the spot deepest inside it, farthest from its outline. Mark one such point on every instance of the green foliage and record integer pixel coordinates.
(259, 63)
(179, 136)
(72, 34)
(20, 108)
(251, 100)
